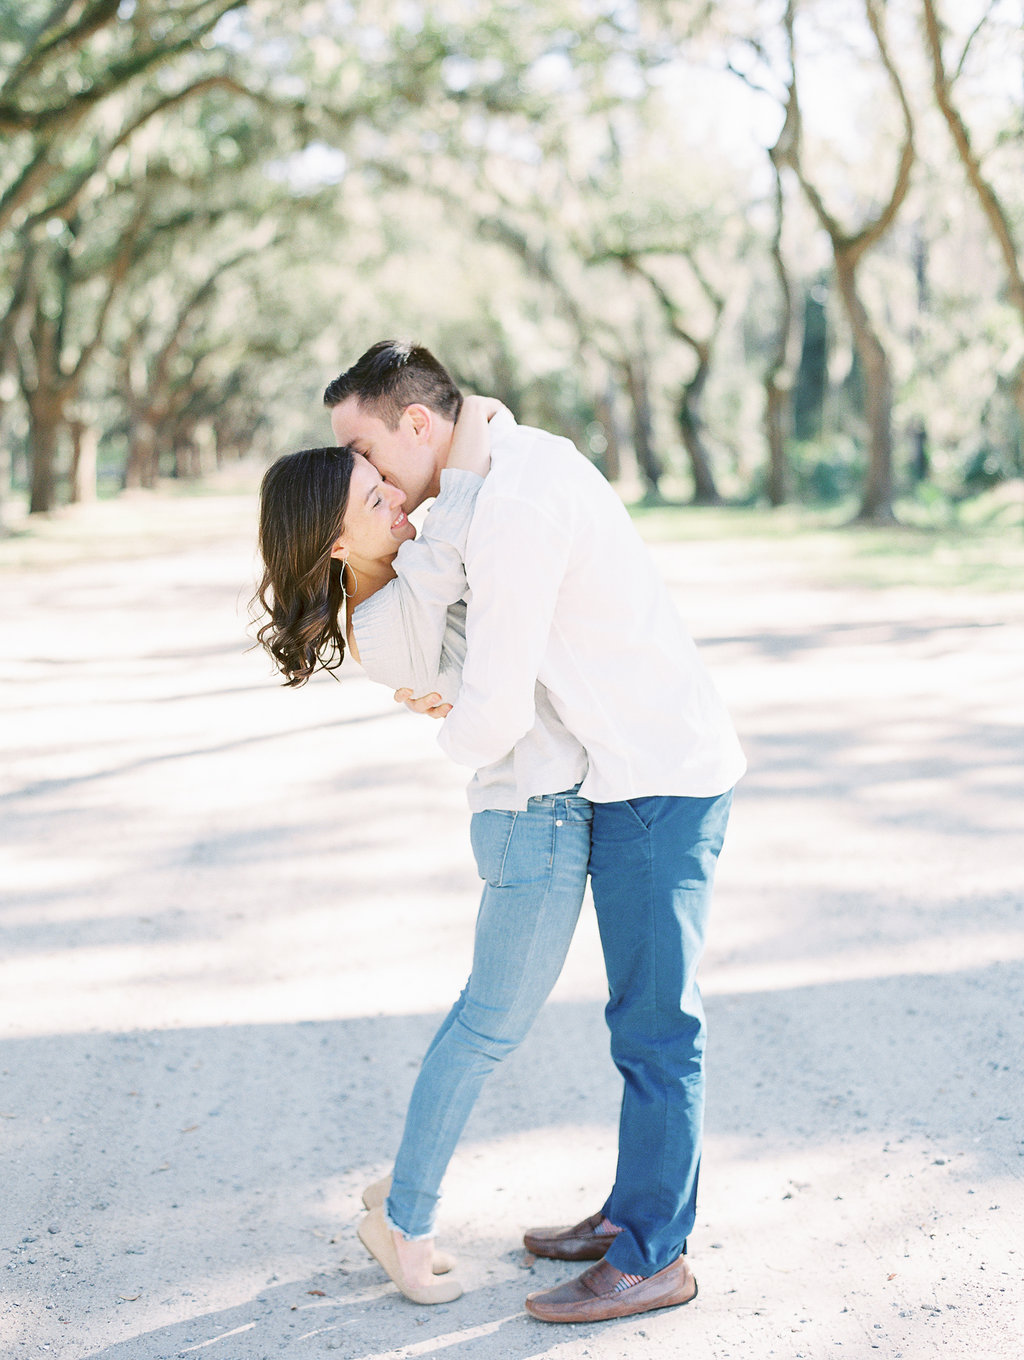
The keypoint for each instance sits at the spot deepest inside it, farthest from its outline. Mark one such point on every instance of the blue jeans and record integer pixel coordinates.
(652, 866)
(534, 867)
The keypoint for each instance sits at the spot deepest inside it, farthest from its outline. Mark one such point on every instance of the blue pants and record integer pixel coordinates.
(534, 867)
(652, 865)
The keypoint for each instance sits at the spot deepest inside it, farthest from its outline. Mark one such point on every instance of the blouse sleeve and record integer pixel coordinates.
(403, 631)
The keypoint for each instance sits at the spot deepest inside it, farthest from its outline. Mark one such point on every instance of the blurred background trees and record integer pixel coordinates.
(757, 251)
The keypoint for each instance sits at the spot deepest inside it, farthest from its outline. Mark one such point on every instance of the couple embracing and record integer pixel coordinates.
(528, 618)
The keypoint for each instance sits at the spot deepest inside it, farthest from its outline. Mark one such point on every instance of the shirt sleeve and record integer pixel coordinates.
(400, 630)
(516, 559)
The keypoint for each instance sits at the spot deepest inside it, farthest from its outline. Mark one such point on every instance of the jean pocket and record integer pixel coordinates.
(645, 810)
(511, 848)
(579, 810)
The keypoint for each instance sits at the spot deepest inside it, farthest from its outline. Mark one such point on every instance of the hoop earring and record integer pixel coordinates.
(346, 565)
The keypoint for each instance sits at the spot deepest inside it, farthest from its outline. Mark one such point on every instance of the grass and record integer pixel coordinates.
(979, 546)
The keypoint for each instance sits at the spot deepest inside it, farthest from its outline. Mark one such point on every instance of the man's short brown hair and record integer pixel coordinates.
(392, 375)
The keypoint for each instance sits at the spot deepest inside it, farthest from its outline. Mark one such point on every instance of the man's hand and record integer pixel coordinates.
(430, 704)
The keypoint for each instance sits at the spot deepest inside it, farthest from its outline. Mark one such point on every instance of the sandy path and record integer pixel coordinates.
(233, 916)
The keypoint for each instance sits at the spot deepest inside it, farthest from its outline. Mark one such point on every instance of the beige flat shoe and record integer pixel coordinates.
(374, 1196)
(375, 1236)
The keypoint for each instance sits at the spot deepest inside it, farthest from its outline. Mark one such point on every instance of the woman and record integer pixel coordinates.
(333, 534)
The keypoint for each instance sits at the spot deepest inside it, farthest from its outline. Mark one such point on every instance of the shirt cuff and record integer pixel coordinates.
(457, 498)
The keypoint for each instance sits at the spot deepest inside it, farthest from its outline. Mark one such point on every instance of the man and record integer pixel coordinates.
(562, 591)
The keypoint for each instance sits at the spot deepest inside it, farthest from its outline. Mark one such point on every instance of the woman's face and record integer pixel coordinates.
(375, 524)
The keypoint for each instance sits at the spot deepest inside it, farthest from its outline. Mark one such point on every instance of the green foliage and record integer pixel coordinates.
(812, 373)
(208, 207)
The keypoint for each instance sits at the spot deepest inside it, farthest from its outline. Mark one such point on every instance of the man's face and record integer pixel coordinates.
(403, 457)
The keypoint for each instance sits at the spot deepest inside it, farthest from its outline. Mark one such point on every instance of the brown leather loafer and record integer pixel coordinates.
(592, 1296)
(581, 1242)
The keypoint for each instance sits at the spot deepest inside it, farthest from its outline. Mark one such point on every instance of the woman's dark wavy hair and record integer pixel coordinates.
(303, 499)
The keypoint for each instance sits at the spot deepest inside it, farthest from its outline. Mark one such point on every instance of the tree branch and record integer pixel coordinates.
(14, 118)
(172, 345)
(995, 214)
(970, 39)
(671, 310)
(856, 243)
(71, 38)
(64, 202)
(872, 231)
(118, 270)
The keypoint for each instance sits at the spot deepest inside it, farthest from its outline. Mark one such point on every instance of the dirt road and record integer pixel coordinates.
(234, 914)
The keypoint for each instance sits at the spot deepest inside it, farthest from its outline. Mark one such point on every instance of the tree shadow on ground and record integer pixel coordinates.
(232, 1147)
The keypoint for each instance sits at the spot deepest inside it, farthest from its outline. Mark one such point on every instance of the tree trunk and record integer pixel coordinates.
(691, 427)
(705, 492)
(1017, 392)
(206, 449)
(611, 459)
(777, 412)
(44, 421)
(876, 503)
(779, 377)
(848, 248)
(643, 427)
(6, 462)
(920, 462)
(811, 379)
(140, 467)
(84, 440)
(187, 458)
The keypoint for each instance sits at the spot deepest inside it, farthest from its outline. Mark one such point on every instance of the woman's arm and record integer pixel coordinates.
(471, 446)
(508, 624)
(400, 631)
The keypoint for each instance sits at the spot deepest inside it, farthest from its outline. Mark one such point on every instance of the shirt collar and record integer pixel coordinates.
(501, 424)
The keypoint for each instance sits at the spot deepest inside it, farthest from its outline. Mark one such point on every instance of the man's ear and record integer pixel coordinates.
(422, 418)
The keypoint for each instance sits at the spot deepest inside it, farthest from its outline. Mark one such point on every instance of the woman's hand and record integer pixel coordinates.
(471, 447)
(431, 705)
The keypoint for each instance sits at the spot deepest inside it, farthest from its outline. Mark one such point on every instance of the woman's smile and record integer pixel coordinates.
(375, 519)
